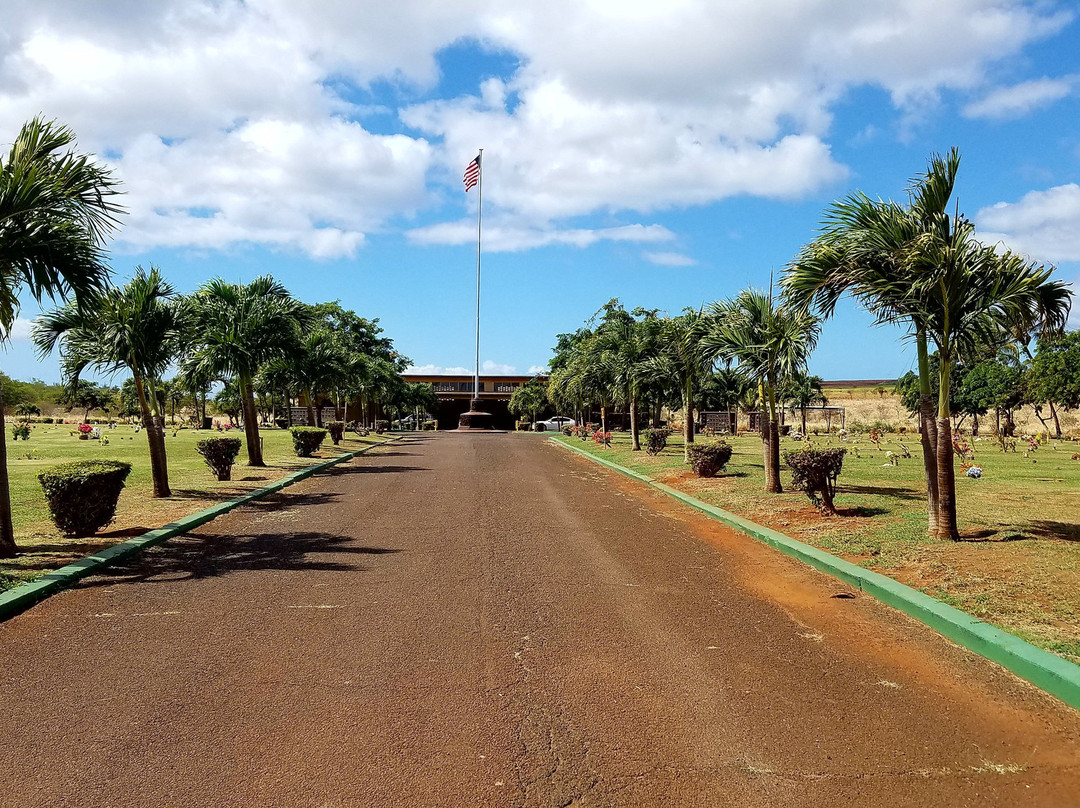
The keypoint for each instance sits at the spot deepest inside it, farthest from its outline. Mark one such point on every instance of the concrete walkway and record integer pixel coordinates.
(489, 621)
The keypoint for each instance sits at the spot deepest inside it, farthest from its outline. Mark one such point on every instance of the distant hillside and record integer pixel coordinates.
(860, 383)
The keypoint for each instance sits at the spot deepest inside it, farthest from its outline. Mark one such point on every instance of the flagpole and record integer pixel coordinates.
(479, 224)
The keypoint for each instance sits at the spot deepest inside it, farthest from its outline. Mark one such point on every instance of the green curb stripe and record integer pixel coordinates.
(1050, 672)
(22, 597)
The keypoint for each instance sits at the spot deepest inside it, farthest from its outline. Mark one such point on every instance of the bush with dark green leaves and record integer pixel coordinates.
(381, 426)
(709, 457)
(82, 495)
(656, 440)
(336, 430)
(814, 471)
(219, 454)
(306, 440)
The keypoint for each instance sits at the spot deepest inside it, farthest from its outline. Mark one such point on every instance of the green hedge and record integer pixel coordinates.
(82, 496)
(306, 440)
(219, 454)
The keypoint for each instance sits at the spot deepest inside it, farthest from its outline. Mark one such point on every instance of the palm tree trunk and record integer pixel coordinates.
(155, 438)
(310, 409)
(928, 434)
(772, 445)
(7, 529)
(688, 418)
(251, 423)
(946, 478)
(635, 427)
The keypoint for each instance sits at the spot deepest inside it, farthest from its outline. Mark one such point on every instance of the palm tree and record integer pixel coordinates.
(136, 328)
(770, 343)
(235, 329)
(863, 250)
(56, 210)
(803, 391)
(681, 357)
(627, 344)
(917, 265)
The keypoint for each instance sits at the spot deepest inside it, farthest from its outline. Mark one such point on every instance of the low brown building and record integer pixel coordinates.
(454, 393)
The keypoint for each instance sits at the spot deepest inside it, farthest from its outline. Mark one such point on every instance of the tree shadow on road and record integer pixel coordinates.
(211, 555)
(355, 469)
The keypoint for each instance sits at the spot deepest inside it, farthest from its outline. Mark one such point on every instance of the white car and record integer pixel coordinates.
(554, 424)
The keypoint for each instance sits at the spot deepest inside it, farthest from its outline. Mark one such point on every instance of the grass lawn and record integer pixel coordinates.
(1018, 566)
(194, 487)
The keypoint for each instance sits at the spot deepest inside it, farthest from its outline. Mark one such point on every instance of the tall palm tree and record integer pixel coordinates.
(680, 354)
(136, 328)
(770, 343)
(56, 209)
(973, 294)
(918, 265)
(863, 250)
(627, 344)
(235, 329)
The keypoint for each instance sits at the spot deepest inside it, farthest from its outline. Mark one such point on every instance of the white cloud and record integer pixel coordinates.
(670, 259)
(1020, 99)
(497, 368)
(1042, 224)
(20, 329)
(512, 238)
(236, 122)
(436, 370)
(534, 369)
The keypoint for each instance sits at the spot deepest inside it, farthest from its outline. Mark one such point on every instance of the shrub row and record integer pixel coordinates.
(82, 496)
(709, 457)
(307, 439)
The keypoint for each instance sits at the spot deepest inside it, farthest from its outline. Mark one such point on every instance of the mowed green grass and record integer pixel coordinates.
(1018, 565)
(194, 487)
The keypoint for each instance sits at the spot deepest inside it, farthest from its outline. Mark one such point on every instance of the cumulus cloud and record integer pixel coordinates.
(1020, 99)
(670, 259)
(513, 238)
(438, 370)
(248, 122)
(20, 329)
(1042, 224)
(497, 368)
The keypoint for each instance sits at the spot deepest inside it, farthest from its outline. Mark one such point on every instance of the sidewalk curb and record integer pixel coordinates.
(1047, 671)
(22, 597)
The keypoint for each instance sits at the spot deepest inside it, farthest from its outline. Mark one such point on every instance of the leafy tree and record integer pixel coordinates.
(236, 329)
(56, 209)
(137, 328)
(627, 341)
(86, 396)
(27, 408)
(683, 358)
(1054, 375)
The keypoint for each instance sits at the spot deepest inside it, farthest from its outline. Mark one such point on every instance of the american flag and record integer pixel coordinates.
(472, 173)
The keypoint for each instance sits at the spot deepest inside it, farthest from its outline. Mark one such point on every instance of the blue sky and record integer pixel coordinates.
(665, 155)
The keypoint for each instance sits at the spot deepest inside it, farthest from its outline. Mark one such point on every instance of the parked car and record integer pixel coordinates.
(554, 424)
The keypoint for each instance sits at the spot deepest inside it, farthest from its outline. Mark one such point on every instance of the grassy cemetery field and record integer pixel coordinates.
(1018, 565)
(194, 487)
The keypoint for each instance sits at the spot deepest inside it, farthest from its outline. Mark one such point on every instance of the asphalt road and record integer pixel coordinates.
(491, 621)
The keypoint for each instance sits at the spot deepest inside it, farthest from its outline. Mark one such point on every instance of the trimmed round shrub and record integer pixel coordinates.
(219, 454)
(709, 457)
(306, 440)
(82, 495)
(814, 471)
(336, 430)
(656, 440)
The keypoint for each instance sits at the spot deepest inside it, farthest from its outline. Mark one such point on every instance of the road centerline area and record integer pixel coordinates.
(487, 620)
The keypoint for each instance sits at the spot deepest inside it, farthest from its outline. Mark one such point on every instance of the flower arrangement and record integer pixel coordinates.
(974, 472)
(1033, 444)
(20, 430)
(963, 449)
(85, 429)
(602, 438)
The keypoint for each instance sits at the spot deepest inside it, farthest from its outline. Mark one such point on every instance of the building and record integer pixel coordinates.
(454, 393)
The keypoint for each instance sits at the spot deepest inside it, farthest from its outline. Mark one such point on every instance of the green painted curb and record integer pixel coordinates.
(22, 597)
(1047, 671)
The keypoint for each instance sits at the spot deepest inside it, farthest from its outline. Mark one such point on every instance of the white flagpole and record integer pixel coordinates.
(479, 222)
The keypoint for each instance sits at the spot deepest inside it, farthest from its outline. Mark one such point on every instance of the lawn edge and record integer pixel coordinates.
(1050, 673)
(20, 598)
